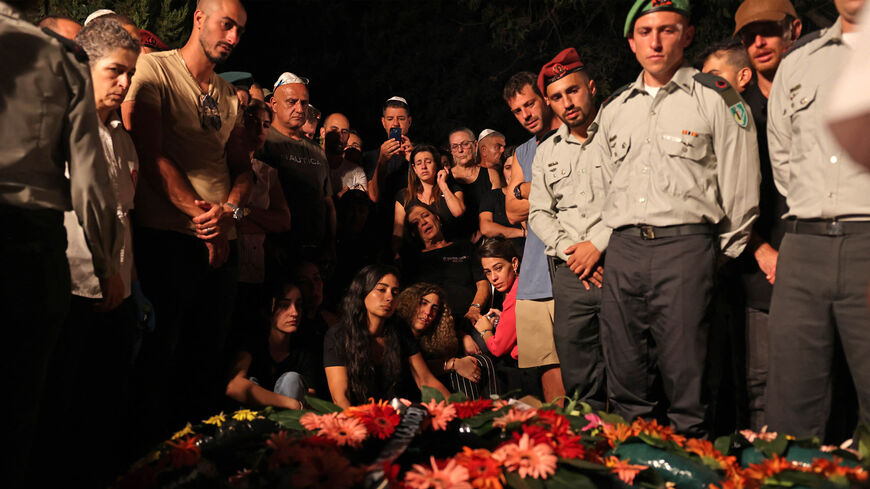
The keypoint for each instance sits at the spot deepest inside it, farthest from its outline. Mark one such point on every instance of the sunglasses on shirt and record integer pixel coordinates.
(209, 114)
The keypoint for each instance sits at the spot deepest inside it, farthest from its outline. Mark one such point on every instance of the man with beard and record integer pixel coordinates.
(684, 194)
(568, 188)
(534, 291)
(196, 174)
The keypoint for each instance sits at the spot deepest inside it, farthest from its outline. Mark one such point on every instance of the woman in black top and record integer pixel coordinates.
(493, 218)
(473, 181)
(451, 265)
(274, 371)
(372, 353)
(427, 183)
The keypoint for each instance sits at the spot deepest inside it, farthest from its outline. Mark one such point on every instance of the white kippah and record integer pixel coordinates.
(486, 132)
(98, 13)
(288, 77)
(398, 99)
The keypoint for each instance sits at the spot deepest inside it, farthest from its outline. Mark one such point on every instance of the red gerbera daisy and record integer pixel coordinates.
(185, 452)
(468, 409)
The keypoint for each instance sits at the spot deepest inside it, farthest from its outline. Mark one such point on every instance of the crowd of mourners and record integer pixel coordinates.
(178, 241)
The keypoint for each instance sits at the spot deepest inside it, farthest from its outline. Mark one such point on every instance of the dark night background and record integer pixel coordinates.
(449, 58)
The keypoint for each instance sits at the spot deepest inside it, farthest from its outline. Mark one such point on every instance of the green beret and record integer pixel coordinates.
(643, 7)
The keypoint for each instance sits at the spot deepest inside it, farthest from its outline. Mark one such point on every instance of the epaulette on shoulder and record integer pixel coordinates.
(728, 93)
(547, 136)
(803, 41)
(615, 94)
(69, 45)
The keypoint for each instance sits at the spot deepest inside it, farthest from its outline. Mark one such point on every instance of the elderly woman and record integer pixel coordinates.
(91, 365)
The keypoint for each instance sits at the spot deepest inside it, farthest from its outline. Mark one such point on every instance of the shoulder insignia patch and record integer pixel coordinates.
(804, 40)
(547, 136)
(615, 94)
(69, 45)
(732, 98)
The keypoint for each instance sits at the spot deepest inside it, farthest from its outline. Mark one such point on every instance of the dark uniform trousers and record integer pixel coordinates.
(183, 361)
(576, 334)
(654, 321)
(820, 291)
(34, 299)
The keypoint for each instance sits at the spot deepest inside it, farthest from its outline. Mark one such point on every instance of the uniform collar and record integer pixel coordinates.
(833, 34)
(682, 79)
(114, 122)
(9, 11)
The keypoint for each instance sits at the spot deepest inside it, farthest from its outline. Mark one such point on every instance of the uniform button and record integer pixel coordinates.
(644, 169)
(583, 170)
(647, 139)
(564, 172)
(804, 100)
(642, 200)
(582, 215)
(834, 159)
(652, 112)
(582, 193)
(684, 149)
(830, 195)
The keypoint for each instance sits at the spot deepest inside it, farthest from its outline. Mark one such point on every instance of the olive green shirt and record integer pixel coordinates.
(568, 190)
(817, 177)
(48, 118)
(680, 158)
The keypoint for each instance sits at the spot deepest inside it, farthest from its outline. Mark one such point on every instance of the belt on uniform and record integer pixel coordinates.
(827, 227)
(655, 232)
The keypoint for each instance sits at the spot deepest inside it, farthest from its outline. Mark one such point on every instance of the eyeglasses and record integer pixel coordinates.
(465, 144)
(209, 114)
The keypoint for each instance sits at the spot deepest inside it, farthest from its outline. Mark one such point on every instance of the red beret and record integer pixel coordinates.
(568, 61)
(152, 41)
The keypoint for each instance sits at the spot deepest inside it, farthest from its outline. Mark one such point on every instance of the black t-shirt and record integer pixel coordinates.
(772, 206)
(335, 355)
(493, 201)
(304, 175)
(455, 268)
(473, 193)
(265, 370)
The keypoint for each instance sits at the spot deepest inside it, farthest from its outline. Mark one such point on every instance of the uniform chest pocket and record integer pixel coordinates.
(800, 110)
(619, 147)
(695, 148)
(569, 185)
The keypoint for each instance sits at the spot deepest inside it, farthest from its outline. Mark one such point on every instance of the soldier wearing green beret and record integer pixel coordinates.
(682, 150)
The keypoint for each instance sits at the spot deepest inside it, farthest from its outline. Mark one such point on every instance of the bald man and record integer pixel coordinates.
(196, 174)
(64, 26)
(345, 175)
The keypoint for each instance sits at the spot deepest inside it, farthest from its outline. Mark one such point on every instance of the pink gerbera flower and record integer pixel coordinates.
(528, 458)
(441, 413)
(312, 421)
(344, 430)
(452, 476)
(594, 422)
(514, 416)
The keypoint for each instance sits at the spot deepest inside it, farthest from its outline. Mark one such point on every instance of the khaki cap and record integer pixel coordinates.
(762, 11)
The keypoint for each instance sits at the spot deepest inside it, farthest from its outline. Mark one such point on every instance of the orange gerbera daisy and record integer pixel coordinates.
(624, 470)
(527, 458)
(185, 452)
(617, 433)
(452, 476)
(514, 416)
(441, 413)
(483, 470)
(344, 431)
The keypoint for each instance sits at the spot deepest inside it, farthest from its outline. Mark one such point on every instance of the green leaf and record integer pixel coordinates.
(652, 440)
(288, 418)
(723, 444)
(457, 397)
(320, 406)
(430, 393)
(514, 480)
(611, 418)
(566, 479)
(771, 448)
(862, 434)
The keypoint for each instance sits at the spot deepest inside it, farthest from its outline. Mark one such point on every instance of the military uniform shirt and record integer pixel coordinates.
(817, 177)
(568, 193)
(48, 118)
(680, 158)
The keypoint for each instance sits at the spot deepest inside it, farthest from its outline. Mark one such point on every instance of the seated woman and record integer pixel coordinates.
(498, 329)
(450, 265)
(493, 218)
(371, 353)
(429, 184)
(274, 370)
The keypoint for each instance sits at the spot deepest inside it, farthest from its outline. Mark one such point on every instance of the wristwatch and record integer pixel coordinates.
(518, 194)
(238, 212)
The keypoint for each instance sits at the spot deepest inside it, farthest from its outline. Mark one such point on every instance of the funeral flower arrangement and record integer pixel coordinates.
(476, 444)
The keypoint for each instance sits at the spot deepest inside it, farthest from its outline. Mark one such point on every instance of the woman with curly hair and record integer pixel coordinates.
(424, 307)
(371, 353)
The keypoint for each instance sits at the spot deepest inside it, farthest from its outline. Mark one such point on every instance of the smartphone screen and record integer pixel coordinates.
(396, 133)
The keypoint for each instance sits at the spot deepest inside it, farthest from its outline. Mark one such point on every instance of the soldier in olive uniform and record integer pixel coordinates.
(683, 152)
(48, 118)
(565, 212)
(824, 260)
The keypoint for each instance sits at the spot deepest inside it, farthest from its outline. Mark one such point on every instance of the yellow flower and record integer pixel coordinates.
(245, 415)
(187, 430)
(217, 419)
